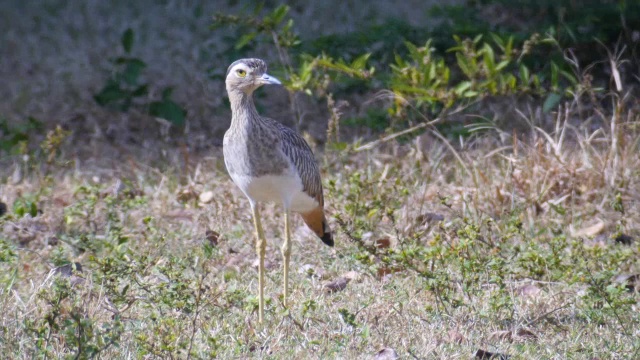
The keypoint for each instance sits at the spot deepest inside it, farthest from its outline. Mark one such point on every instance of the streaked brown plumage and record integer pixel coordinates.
(270, 162)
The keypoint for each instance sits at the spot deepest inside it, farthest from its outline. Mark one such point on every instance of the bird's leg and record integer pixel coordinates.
(261, 246)
(286, 252)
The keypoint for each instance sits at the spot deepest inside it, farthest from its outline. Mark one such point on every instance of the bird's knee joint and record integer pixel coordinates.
(261, 246)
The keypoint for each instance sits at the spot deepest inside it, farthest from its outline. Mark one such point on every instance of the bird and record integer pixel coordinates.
(270, 162)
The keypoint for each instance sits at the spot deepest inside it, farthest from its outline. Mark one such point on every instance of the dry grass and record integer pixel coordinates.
(525, 261)
(527, 242)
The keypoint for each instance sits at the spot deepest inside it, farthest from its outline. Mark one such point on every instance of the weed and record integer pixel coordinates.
(14, 139)
(124, 87)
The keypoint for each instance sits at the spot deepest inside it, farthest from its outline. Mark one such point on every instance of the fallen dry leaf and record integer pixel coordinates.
(384, 271)
(187, 195)
(178, 215)
(386, 354)
(212, 237)
(429, 218)
(206, 197)
(528, 291)
(382, 243)
(518, 334)
(336, 285)
(235, 261)
(526, 334)
(62, 200)
(76, 280)
(589, 231)
(352, 276)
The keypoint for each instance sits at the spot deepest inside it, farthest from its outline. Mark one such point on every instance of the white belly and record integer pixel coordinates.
(281, 189)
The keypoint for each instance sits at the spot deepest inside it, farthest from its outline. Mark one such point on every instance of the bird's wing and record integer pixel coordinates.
(299, 153)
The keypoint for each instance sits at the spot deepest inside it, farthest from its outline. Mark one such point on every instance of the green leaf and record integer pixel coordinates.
(245, 40)
(140, 91)
(535, 79)
(33, 209)
(361, 61)
(121, 60)
(489, 58)
(278, 14)
(127, 40)
(551, 102)
(463, 64)
(569, 76)
(498, 41)
(166, 93)
(34, 123)
(501, 65)
(558, 209)
(524, 74)
(110, 93)
(168, 110)
(413, 50)
(462, 87)
(339, 146)
(132, 71)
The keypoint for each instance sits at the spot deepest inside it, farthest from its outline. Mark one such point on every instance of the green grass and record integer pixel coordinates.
(516, 250)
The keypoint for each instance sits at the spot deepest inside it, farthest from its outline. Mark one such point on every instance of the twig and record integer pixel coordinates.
(412, 354)
(372, 144)
(605, 296)
(194, 328)
(295, 322)
(546, 314)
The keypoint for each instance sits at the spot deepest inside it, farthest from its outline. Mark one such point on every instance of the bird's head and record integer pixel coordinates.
(247, 75)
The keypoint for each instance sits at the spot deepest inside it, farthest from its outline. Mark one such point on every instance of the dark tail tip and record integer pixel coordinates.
(327, 238)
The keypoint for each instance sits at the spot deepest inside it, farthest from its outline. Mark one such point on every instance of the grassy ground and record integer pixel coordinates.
(121, 242)
(516, 247)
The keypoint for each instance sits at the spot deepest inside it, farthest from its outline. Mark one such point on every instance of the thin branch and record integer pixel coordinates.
(546, 314)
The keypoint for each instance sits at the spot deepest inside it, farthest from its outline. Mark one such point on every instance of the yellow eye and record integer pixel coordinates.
(241, 73)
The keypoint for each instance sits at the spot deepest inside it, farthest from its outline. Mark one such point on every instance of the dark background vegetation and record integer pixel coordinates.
(109, 71)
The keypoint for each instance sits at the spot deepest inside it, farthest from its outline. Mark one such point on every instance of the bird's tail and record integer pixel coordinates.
(316, 221)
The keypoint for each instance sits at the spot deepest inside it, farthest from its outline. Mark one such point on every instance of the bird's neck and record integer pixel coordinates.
(243, 110)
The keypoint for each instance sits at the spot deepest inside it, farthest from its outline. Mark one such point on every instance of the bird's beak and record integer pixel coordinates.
(268, 79)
